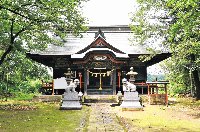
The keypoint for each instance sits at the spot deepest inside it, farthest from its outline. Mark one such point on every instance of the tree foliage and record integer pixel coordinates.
(176, 22)
(33, 24)
(19, 75)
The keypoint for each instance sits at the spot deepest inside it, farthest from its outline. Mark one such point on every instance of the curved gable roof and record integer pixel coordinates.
(116, 38)
(100, 42)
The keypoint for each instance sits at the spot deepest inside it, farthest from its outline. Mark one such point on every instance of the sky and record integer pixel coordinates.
(109, 12)
(113, 12)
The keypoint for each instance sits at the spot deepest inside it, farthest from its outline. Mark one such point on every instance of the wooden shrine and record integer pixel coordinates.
(100, 59)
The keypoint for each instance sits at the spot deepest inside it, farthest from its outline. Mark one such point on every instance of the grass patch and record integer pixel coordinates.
(157, 119)
(85, 121)
(188, 102)
(47, 117)
(23, 96)
(183, 115)
(17, 96)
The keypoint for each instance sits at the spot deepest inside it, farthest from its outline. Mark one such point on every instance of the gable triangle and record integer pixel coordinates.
(100, 42)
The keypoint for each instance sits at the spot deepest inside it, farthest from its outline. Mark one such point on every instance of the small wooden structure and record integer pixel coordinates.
(141, 87)
(157, 92)
(48, 86)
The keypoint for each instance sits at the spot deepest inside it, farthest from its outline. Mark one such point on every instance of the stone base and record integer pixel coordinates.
(100, 99)
(131, 104)
(132, 109)
(71, 105)
(70, 101)
(70, 108)
(131, 101)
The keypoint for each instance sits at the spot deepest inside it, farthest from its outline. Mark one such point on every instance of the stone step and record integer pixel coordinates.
(99, 92)
(100, 99)
(97, 89)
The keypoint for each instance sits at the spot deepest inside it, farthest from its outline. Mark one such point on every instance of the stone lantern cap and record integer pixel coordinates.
(68, 72)
(131, 72)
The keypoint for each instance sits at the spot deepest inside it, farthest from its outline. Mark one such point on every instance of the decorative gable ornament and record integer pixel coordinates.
(100, 57)
(99, 33)
(100, 44)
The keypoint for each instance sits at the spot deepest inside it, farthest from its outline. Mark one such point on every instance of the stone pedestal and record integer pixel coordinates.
(70, 101)
(131, 101)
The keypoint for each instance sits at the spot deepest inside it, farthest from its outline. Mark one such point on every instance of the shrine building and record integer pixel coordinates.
(100, 59)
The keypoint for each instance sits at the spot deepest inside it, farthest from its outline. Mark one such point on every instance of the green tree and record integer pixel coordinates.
(33, 24)
(21, 75)
(177, 23)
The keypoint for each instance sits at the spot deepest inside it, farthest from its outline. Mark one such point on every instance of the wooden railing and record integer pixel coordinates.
(48, 85)
(157, 92)
(142, 85)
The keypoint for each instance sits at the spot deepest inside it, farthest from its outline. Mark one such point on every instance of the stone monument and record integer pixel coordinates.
(131, 98)
(70, 98)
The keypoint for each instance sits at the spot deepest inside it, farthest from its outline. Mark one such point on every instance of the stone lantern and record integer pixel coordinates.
(132, 75)
(68, 76)
(131, 99)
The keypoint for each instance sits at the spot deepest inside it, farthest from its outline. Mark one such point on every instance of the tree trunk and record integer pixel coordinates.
(196, 83)
(12, 39)
(196, 79)
(5, 54)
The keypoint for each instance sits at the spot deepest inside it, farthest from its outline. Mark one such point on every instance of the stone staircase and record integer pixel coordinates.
(99, 92)
(95, 91)
(100, 99)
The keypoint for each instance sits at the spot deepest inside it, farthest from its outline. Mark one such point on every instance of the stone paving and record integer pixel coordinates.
(103, 119)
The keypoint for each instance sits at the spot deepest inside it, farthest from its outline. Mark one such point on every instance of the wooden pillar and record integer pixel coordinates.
(157, 96)
(142, 90)
(166, 97)
(149, 92)
(52, 87)
(85, 81)
(80, 79)
(119, 80)
(114, 82)
(157, 89)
